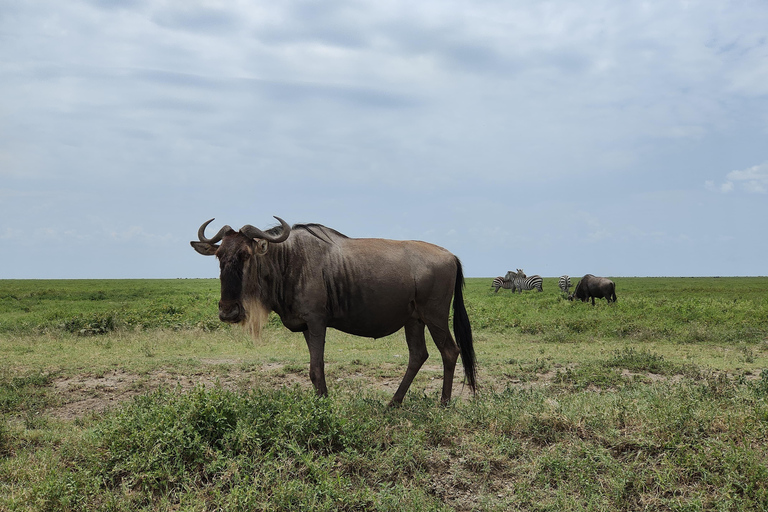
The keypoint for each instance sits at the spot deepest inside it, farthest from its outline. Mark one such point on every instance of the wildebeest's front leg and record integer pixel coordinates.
(316, 344)
(417, 354)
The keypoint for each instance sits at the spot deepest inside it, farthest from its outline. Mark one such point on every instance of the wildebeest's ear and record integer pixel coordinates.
(261, 247)
(204, 248)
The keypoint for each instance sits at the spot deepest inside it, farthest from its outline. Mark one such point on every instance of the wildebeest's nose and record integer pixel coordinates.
(231, 312)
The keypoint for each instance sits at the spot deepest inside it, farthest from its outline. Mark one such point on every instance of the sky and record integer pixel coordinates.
(612, 138)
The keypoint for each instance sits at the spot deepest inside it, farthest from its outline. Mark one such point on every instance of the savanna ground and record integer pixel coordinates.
(131, 395)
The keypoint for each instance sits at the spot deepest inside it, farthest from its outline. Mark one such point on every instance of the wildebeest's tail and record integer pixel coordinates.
(462, 330)
(613, 293)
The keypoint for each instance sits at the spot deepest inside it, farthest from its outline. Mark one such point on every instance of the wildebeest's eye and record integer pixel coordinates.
(242, 256)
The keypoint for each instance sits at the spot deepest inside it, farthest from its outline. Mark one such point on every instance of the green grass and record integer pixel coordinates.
(90, 307)
(657, 447)
(658, 402)
(680, 310)
(684, 310)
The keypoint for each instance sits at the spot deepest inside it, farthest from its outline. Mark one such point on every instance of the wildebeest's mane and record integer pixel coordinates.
(319, 231)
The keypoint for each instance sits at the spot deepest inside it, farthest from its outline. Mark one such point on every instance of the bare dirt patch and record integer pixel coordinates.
(83, 395)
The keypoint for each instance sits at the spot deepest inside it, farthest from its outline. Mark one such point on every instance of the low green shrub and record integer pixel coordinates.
(760, 387)
(168, 437)
(91, 325)
(639, 361)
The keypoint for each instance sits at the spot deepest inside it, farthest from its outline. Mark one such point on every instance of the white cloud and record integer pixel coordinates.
(544, 118)
(753, 180)
(599, 236)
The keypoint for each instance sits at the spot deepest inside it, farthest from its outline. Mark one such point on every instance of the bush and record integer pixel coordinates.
(91, 325)
(760, 387)
(639, 361)
(167, 437)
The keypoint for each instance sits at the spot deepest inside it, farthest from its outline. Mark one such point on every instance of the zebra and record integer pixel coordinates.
(564, 283)
(500, 282)
(521, 282)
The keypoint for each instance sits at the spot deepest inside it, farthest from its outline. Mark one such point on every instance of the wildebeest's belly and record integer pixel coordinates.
(367, 330)
(375, 321)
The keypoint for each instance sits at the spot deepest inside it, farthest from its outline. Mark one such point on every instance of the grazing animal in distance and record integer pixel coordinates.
(591, 286)
(500, 282)
(522, 282)
(564, 283)
(314, 278)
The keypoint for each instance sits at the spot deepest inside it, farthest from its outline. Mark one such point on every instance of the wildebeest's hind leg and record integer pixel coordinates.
(316, 346)
(449, 351)
(417, 354)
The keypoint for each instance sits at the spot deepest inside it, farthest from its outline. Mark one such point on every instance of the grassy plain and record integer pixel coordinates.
(131, 395)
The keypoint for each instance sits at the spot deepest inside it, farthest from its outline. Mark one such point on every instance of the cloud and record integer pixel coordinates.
(505, 131)
(753, 180)
(197, 19)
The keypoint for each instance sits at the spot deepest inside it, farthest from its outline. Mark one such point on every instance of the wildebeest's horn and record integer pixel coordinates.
(254, 232)
(216, 238)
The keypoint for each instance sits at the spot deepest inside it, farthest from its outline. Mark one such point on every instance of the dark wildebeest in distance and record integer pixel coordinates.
(314, 277)
(594, 287)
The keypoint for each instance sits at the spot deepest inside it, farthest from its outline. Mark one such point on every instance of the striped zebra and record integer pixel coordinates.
(522, 282)
(500, 282)
(564, 283)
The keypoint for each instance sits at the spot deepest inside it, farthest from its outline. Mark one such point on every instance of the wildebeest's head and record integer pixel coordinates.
(236, 254)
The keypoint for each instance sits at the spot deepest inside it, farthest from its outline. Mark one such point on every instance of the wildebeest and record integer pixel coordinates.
(593, 287)
(314, 277)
